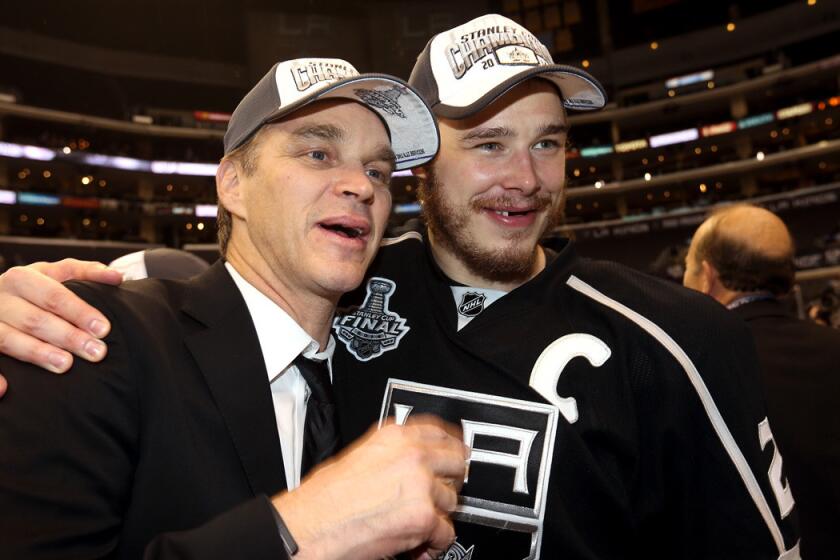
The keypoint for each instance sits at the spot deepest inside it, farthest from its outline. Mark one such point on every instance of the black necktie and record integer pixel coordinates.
(321, 436)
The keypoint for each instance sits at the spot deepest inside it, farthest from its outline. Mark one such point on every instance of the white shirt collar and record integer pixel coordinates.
(281, 338)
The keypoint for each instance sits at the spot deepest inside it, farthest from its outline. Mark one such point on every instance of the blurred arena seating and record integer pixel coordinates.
(711, 103)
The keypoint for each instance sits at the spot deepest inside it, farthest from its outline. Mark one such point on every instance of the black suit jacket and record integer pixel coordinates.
(801, 366)
(174, 433)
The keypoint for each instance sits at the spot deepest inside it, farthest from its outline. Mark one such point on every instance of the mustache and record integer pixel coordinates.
(537, 203)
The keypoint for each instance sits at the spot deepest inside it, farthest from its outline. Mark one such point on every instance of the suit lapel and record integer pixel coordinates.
(228, 353)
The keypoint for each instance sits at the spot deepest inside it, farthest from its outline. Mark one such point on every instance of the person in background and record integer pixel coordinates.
(825, 310)
(742, 256)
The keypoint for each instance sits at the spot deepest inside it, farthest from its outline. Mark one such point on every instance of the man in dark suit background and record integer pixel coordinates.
(188, 434)
(743, 257)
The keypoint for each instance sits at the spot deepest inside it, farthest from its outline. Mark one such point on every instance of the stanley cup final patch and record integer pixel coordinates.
(372, 328)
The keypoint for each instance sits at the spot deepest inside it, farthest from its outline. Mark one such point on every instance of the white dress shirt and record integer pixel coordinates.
(281, 341)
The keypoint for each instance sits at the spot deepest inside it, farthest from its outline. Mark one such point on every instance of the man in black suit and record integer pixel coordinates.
(184, 440)
(743, 257)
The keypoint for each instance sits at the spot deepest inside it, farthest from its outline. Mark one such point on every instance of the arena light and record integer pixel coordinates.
(595, 151)
(211, 116)
(7, 197)
(631, 146)
(8, 149)
(755, 120)
(795, 111)
(676, 137)
(130, 164)
(407, 208)
(689, 79)
(38, 199)
(80, 202)
(206, 210)
(184, 168)
(116, 162)
(719, 128)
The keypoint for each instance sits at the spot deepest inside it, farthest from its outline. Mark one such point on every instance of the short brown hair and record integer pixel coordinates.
(246, 156)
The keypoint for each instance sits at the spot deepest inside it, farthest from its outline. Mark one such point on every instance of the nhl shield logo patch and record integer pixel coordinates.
(372, 328)
(472, 303)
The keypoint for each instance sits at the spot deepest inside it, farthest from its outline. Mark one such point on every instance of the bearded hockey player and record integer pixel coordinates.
(610, 415)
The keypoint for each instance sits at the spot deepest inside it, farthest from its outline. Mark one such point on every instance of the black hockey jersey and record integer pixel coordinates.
(609, 414)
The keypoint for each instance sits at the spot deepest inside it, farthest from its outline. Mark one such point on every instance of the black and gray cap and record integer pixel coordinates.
(293, 84)
(466, 68)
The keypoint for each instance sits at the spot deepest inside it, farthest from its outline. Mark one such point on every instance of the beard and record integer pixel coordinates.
(509, 261)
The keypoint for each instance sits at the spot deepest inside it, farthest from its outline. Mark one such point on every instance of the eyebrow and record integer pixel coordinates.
(553, 128)
(322, 131)
(332, 132)
(503, 131)
(487, 133)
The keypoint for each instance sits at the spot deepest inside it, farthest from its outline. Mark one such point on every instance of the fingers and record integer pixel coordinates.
(3, 386)
(42, 320)
(446, 454)
(23, 287)
(46, 292)
(29, 349)
(73, 269)
(445, 495)
(441, 537)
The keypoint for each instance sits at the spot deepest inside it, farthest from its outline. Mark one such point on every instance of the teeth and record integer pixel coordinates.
(503, 213)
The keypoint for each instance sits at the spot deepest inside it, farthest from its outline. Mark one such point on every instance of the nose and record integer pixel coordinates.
(353, 181)
(521, 174)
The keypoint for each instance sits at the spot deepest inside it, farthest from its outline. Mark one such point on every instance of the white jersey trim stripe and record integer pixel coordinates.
(407, 235)
(709, 405)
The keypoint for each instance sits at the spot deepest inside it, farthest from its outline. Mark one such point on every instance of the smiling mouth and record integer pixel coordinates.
(508, 213)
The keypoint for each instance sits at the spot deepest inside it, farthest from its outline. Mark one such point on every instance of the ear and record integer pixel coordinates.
(229, 188)
(709, 278)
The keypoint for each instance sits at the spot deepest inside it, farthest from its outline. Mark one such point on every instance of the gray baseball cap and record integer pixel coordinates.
(293, 84)
(466, 68)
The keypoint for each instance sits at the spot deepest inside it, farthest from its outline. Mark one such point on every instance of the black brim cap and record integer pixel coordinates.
(294, 84)
(462, 70)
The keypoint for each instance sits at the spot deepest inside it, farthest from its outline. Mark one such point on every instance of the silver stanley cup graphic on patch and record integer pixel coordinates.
(372, 328)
